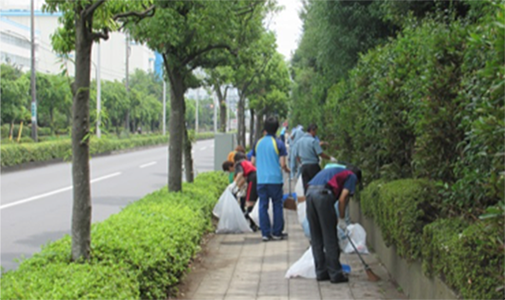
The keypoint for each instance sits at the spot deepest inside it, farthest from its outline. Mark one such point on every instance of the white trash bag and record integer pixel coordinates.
(304, 267)
(299, 187)
(219, 205)
(231, 217)
(255, 213)
(301, 210)
(358, 236)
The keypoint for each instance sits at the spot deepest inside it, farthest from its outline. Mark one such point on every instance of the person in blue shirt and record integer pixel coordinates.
(308, 150)
(296, 134)
(269, 156)
(328, 186)
(283, 134)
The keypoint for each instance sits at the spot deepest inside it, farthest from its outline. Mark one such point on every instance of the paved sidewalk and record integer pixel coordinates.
(242, 266)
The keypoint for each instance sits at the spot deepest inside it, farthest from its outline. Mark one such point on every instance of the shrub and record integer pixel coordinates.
(13, 154)
(402, 209)
(436, 238)
(476, 262)
(70, 281)
(139, 253)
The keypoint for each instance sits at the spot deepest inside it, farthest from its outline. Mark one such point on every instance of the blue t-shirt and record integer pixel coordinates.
(267, 151)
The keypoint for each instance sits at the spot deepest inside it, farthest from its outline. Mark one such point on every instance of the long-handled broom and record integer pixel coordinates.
(371, 275)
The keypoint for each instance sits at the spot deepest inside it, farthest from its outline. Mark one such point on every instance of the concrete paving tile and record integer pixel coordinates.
(207, 297)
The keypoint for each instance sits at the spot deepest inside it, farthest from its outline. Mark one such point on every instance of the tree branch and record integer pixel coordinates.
(90, 9)
(149, 12)
(104, 34)
(202, 51)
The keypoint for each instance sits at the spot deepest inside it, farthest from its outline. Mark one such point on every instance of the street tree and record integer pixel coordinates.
(190, 35)
(83, 23)
(270, 92)
(250, 64)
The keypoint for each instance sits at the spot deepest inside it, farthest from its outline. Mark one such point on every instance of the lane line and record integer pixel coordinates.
(148, 164)
(203, 148)
(68, 188)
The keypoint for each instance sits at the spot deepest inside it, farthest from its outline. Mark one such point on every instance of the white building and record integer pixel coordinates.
(15, 29)
(15, 44)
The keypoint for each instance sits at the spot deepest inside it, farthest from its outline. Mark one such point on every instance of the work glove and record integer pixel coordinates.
(342, 225)
(233, 188)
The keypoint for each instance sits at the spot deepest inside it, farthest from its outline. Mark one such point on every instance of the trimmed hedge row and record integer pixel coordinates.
(469, 257)
(139, 253)
(14, 154)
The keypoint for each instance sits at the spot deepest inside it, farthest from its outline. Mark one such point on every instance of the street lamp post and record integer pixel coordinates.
(196, 110)
(98, 93)
(32, 79)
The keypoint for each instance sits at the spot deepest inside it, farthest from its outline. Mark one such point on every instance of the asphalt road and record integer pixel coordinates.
(36, 204)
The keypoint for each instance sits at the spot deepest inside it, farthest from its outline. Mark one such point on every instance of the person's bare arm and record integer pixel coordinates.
(282, 160)
(342, 202)
(325, 156)
(253, 160)
(239, 179)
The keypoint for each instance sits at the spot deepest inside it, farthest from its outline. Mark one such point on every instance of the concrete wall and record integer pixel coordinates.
(409, 276)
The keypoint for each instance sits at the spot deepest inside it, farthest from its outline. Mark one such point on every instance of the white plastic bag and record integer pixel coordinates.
(301, 210)
(219, 205)
(304, 267)
(299, 187)
(231, 218)
(358, 236)
(255, 213)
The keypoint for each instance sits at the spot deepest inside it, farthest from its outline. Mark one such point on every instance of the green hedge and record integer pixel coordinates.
(401, 209)
(139, 253)
(13, 154)
(469, 257)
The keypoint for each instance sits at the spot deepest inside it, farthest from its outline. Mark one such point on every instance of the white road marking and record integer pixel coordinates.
(68, 188)
(203, 148)
(148, 164)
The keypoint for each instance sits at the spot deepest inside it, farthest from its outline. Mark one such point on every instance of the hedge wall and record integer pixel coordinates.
(13, 154)
(468, 256)
(139, 253)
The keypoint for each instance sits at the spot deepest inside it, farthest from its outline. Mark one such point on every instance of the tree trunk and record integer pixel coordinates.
(252, 132)
(188, 160)
(259, 124)
(176, 124)
(241, 121)
(81, 213)
(222, 107)
(11, 130)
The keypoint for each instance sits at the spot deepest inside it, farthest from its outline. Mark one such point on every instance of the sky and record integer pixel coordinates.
(287, 26)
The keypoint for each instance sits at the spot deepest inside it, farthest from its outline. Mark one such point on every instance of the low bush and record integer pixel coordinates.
(13, 153)
(402, 208)
(467, 256)
(436, 238)
(139, 253)
(475, 265)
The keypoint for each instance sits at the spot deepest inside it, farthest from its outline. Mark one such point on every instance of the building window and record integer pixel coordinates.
(16, 41)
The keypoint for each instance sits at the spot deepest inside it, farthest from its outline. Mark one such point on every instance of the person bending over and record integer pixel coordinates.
(328, 186)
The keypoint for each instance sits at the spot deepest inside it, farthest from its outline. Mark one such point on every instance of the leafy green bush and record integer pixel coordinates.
(402, 209)
(476, 262)
(70, 281)
(435, 248)
(14, 154)
(139, 253)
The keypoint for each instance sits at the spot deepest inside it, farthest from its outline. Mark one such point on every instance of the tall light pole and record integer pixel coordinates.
(98, 93)
(164, 106)
(34, 92)
(215, 112)
(196, 110)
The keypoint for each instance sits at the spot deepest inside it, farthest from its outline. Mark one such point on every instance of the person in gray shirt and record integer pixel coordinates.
(308, 150)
